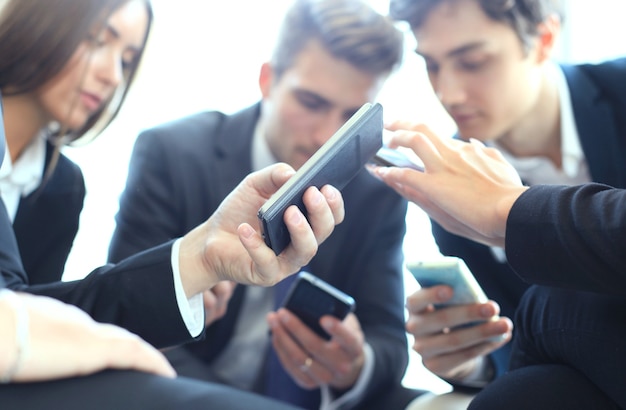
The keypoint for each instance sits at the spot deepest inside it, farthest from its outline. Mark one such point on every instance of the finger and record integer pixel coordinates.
(343, 335)
(335, 202)
(494, 333)
(443, 364)
(269, 179)
(452, 317)
(296, 361)
(407, 125)
(263, 258)
(320, 216)
(303, 234)
(128, 351)
(428, 147)
(422, 298)
(209, 299)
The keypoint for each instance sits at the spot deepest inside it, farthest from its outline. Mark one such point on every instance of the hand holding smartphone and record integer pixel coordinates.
(310, 298)
(335, 163)
(449, 271)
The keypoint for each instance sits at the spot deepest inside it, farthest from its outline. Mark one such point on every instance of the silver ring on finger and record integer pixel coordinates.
(308, 362)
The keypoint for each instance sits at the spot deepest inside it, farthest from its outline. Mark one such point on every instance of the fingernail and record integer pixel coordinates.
(444, 294)
(317, 199)
(246, 231)
(486, 311)
(382, 171)
(327, 324)
(331, 192)
(296, 217)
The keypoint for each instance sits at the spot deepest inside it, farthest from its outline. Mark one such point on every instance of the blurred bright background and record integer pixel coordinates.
(206, 55)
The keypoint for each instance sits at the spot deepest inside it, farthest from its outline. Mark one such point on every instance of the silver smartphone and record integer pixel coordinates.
(449, 271)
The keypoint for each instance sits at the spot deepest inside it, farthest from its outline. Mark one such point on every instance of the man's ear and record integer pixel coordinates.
(549, 32)
(266, 78)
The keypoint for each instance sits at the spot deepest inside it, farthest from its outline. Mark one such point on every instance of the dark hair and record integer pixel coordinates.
(38, 38)
(348, 29)
(523, 16)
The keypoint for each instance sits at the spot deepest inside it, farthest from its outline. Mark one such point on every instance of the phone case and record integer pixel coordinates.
(310, 298)
(449, 271)
(335, 163)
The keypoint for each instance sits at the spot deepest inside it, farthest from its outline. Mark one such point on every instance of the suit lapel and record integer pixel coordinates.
(597, 129)
(233, 148)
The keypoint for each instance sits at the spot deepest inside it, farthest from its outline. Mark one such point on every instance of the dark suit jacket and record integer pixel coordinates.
(47, 221)
(579, 237)
(10, 263)
(598, 96)
(180, 173)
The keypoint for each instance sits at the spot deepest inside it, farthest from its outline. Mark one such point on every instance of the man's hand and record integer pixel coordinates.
(466, 187)
(216, 301)
(313, 361)
(229, 246)
(450, 352)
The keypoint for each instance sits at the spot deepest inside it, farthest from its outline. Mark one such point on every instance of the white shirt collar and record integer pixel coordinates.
(540, 170)
(261, 154)
(21, 178)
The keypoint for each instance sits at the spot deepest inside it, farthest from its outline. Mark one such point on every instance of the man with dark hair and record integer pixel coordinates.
(332, 56)
(490, 64)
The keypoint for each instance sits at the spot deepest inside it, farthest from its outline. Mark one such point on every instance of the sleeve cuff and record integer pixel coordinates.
(192, 309)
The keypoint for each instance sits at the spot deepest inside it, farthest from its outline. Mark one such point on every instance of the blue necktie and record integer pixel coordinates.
(278, 383)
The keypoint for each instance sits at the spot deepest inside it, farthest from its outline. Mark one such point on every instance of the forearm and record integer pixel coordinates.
(572, 237)
(135, 294)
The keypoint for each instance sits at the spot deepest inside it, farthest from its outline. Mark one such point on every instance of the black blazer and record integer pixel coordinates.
(47, 221)
(179, 174)
(137, 293)
(578, 238)
(598, 96)
(10, 263)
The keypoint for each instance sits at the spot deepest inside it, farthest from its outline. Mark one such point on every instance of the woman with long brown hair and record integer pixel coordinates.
(61, 79)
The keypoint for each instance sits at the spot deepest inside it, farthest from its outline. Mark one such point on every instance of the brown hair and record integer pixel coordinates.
(348, 29)
(523, 16)
(37, 39)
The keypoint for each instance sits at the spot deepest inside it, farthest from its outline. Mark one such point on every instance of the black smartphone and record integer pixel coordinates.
(389, 157)
(310, 298)
(335, 163)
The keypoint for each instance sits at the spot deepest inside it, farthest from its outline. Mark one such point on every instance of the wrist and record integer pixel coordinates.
(13, 357)
(195, 272)
(502, 211)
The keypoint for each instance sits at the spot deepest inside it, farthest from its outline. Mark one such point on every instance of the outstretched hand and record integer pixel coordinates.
(466, 187)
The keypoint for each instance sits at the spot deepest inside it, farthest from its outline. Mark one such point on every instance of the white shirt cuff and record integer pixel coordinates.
(352, 397)
(192, 309)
